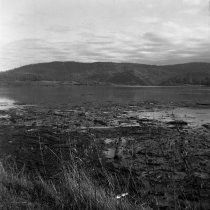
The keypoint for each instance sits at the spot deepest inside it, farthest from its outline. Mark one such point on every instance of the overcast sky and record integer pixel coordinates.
(143, 31)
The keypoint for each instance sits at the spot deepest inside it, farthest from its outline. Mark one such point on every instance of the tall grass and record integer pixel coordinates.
(72, 189)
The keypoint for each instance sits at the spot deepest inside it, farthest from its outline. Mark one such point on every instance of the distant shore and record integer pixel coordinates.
(67, 83)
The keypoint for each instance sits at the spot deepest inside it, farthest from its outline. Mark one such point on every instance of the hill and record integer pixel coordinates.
(112, 73)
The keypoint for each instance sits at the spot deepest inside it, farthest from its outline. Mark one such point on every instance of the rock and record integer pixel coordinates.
(201, 175)
(177, 123)
(207, 126)
(203, 104)
(100, 122)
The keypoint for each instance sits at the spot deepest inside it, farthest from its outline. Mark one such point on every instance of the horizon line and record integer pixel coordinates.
(114, 62)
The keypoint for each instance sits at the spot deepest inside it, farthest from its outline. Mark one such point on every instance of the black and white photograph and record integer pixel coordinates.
(104, 104)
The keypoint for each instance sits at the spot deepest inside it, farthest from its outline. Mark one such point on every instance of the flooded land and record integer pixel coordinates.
(153, 142)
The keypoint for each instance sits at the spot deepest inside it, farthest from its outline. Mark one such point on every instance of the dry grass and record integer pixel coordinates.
(74, 189)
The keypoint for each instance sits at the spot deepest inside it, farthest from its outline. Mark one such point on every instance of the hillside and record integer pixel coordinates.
(112, 73)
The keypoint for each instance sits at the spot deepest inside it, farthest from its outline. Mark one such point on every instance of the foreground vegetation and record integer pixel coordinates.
(101, 158)
(73, 189)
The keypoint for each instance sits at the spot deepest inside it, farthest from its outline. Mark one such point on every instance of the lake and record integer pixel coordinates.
(77, 95)
(100, 94)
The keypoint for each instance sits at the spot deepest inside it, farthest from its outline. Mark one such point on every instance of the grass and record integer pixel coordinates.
(51, 169)
(72, 189)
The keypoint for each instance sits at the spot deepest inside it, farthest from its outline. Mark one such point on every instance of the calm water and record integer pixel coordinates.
(81, 94)
(193, 116)
(54, 96)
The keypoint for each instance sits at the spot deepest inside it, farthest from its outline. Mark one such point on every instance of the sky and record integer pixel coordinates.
(138, 31)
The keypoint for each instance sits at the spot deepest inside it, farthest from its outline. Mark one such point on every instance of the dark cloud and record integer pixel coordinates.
(156, 39)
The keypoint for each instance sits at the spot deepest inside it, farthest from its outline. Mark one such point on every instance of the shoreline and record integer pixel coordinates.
(66, 83)
(107, 137)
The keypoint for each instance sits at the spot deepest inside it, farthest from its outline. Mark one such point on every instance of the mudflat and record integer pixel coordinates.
(161, 162)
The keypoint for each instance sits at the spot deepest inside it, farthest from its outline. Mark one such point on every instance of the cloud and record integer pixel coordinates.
(191, 11)
(147, 31)
(58, 29)
(147, 20)
(150, 47)
(156, 39)
(195, 2)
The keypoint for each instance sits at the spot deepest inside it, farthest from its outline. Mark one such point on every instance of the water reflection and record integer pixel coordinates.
(6, 103)
(80, 94)
(193, 116)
